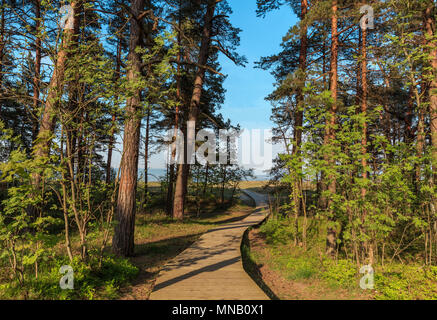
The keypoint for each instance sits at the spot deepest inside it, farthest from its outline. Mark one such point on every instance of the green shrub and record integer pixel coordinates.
(90, 281)
(406, 282)
(340, 273)
(277, 230)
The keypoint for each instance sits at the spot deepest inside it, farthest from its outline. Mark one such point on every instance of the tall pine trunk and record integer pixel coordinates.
(123, 240)
(298, 122)
(430, 26)
(113, 122)
(2, 49)
(36, 77)
(179, 195)
(146, 157)
(55, 90)
(170, 199)
(194, 110)
(329, 138)
(364, 92)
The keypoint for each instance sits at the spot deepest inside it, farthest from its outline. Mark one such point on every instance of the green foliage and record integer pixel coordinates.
(393, 281)
(341, 273)
(90, 281)
(406, 282)
(277, 230)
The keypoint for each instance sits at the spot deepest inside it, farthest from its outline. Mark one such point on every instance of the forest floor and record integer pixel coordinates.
(272, 266)
(159, 239)
(283, 285)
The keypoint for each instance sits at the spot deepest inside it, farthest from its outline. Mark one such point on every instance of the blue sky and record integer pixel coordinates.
(247, 87)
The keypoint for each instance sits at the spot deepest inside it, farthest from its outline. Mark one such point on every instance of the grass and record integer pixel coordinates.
(295, 276)
(251, 267)
(293, 273)
(253, 185)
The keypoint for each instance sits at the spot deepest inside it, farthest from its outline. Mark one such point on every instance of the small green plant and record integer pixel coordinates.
(341, 273)
(277, 230)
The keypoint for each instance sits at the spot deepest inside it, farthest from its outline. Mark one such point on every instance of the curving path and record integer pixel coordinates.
(212, 269)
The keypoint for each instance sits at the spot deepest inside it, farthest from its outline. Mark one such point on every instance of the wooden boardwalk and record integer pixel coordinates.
(212, 269)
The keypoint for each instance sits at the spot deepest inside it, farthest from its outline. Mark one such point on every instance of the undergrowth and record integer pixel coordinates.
(392, 281)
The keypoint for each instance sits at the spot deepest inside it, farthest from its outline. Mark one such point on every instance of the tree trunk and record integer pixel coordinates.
(298, 122)
(430, 27)
(364, 92)
(111, 137)
(205, 183)
(2, 47)
(170, 199)
(123, 240)
(330, 130)
(36, 78)
(182, 178)
(146, 157)
(223, 185)
(55, 89)
(179, 196)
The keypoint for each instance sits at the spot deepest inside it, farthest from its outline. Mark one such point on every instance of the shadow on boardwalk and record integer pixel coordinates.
(211, 268)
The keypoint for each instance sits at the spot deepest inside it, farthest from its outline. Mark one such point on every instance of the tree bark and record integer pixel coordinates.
(179, 196)
(170, 198)
(146, 157)
(2, 48)
(224, 171)
(205, 183)
(123, 240)
(364, 92)
(111, 137)
(36, 78)
(330, 130)
(55, 89)
(298, 121)
(430, 27)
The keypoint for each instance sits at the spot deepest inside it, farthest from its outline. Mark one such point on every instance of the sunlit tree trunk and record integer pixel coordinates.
(364, 92)
(55, 89)
(330, 130)
(2, 48)
(111, 134)
(146, 157)
(170, 199)
(36, 78)
(430, 26)
(298, 122)
(123, 240)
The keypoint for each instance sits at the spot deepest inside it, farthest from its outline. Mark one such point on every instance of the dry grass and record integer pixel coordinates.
(253, 184)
